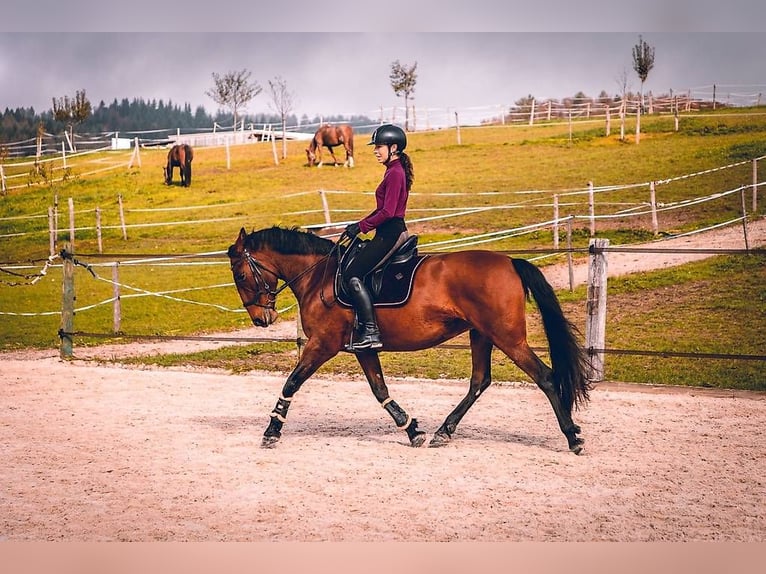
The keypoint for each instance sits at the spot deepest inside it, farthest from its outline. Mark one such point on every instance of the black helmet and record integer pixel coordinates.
(388, 134)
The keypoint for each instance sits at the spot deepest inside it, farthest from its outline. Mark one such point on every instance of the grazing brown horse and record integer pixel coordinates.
(331, 136)
(179, 156)
(482, 292)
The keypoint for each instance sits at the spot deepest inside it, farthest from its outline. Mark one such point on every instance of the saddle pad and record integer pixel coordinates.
(396, 285)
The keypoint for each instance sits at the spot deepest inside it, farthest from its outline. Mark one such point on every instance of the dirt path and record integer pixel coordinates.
(103, 452)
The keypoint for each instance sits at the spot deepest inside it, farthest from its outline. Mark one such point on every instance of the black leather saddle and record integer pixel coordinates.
(390, 284)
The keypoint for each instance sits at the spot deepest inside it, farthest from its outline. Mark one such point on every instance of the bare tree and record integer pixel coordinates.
(282, 102)
(72, 111)
(622, 81)
(233, 90)
(403, 81)
(643, 62)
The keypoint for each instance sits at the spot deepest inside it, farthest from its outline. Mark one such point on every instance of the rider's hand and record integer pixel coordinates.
(352, 230)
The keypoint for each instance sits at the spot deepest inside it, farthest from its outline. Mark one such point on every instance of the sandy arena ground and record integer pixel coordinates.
(97, 452)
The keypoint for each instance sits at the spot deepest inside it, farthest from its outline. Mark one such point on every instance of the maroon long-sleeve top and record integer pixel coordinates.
(390, 196)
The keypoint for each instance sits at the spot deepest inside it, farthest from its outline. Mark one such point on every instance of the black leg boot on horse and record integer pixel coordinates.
(366, 335)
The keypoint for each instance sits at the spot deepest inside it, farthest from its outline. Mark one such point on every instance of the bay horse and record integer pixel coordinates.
(180, 156)
(330, 136)
(482, 292)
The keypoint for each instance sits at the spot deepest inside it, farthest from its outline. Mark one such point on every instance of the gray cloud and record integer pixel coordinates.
(348, 73)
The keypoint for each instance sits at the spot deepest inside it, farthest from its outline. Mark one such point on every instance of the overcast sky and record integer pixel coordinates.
(349, 73)
(469, 53)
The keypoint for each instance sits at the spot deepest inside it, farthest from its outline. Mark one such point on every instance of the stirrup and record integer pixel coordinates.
(364, 339)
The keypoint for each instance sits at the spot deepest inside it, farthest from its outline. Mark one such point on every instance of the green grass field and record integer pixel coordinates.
(506, 175)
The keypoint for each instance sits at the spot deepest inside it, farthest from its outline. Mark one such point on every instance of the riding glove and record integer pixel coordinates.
(352, 230)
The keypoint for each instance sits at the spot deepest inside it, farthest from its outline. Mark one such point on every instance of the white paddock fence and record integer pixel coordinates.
(594, 330)
(595, 322)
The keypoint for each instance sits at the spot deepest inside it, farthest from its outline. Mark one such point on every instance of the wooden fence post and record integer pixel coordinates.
(98, 229)
(744, 217)
(555, 220)
(325, 206)
(653, 204)
(51, 233)
(117, 305)
(755, 185)
(595, 313)
(638, 123)
(532, 112)
(622, 120)
(300, 336)
(136, 156)
(71, 223)
(2, 180)
(608, 121)
(122, 218)
(67, 304)
(56, 216)
(592, 209)
(457, 127)
(274, 148)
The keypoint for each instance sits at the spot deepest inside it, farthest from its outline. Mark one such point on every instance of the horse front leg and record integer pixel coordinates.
(370, 363)
(481, 378)
(311, 359)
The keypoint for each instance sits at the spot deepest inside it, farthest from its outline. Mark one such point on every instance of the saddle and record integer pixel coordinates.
(390, 285)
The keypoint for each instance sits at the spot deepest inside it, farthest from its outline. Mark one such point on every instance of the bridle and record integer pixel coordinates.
(261, 285)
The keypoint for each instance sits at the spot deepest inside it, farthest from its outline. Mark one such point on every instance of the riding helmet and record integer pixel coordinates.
(388, 134)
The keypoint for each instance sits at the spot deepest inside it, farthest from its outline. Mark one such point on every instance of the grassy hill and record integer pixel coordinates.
(497, 178)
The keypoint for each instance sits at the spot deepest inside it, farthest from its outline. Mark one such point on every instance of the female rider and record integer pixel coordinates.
(390, 230)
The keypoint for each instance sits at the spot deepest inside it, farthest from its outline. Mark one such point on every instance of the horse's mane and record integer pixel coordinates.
(289, 241)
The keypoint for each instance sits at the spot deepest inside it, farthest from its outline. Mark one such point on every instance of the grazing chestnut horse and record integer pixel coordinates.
(482, 292)
(331, 136)
(179, 156)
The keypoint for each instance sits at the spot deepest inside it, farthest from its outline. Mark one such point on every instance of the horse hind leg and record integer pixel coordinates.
(481, 378)
(542, 375)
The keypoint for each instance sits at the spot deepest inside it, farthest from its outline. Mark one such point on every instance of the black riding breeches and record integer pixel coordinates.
(389, 236)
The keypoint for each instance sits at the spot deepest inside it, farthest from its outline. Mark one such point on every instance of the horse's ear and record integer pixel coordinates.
(240, 243)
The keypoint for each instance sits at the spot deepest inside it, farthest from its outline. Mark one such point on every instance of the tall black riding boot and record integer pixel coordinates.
(367, 334)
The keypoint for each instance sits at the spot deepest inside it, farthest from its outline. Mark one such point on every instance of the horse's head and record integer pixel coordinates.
(255, 282)
(311, 156)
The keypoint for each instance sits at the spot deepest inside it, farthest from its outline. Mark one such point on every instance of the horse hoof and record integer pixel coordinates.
(439, 440)
(576, 445)
(418, 440)
(269, 441)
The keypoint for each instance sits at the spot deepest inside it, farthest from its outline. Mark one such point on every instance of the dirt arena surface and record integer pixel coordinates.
(96, 452)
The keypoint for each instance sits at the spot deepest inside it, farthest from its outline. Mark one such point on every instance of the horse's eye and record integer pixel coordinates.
(239, 277)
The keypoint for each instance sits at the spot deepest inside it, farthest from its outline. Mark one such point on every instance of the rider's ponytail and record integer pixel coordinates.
(408, 169)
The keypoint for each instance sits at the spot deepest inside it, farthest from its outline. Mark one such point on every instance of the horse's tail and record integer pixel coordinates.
(568, 358)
